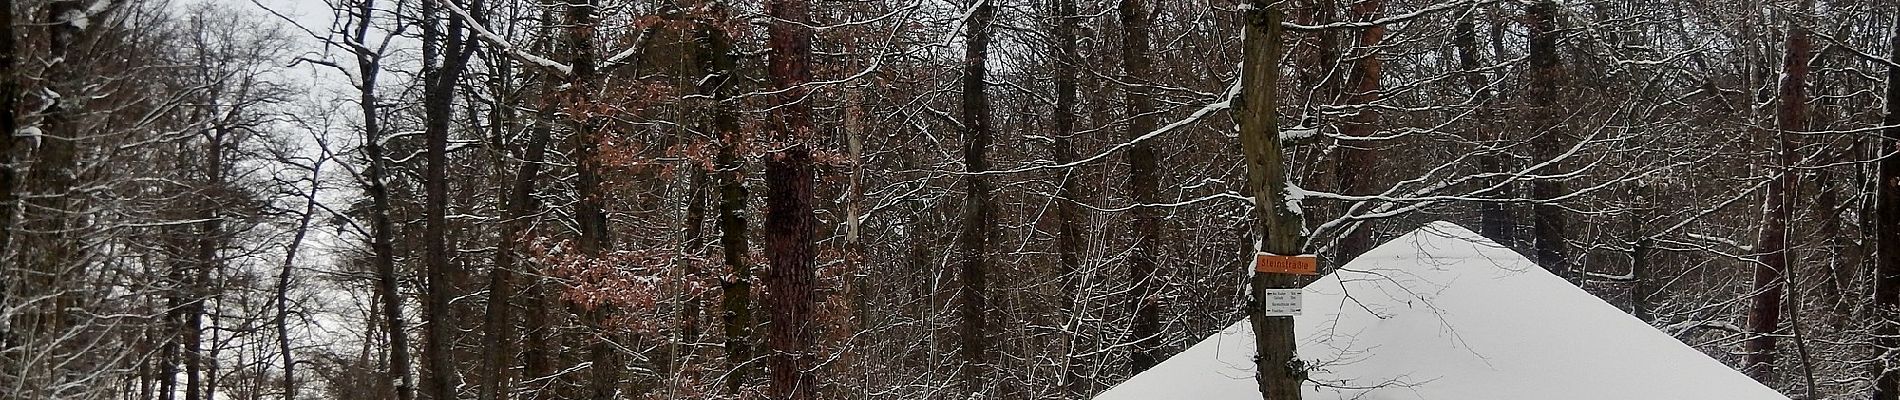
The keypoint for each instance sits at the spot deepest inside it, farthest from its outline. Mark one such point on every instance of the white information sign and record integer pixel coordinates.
(1284, 302)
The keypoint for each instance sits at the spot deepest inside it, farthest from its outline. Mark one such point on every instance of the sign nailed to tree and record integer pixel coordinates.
(1291, 265)
(1284, 302)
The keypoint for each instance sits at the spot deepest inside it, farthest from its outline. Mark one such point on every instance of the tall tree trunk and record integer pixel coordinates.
(1887, 244)
(1547, 76)
(382, 236)
(538, 324)
(207, 240)
(281, 321)
(973, 243)
(9, 122)
(517, 211)
(590, 211)
(1771, 249)
(714, 56)
(1277, 365)
(445, 53)
(789, 219)
(50, 251)
(1143, 182)
(1358, 160)
(1069, 239)
(1494, 218)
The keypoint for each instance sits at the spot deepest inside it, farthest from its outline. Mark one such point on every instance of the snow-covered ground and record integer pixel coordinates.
(1442, 313)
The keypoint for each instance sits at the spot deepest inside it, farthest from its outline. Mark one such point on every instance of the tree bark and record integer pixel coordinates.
(9, 122)
(1887, 244)
(1069, 236)
(714, 56)
(517, 211)
(1358, 160)
(1771, 248)
(789, 219)
(382, 237)
(445, 54)
(1278, 369)
(282, 300)
(973, 242)
(1547, 76)
(1143, 183)
(1494, 218)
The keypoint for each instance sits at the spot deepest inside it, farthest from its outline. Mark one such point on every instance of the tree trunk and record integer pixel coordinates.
(444, 55)
(789, 219)
(1771, 249)
(382, 236)
(714, 56)
(1358, 160)
(1069, 237)
(1547, 76)
(1887, 228)
(9, 122)
(590, 212)
(1494, 218)
(282, 319)
(1143, 182)
(1279, 370)
(974, 239)
(517, 211)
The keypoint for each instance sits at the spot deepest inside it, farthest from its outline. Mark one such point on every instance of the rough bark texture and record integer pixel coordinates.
(1143, 184)
(1547, 76)
(1279, 370)
(789, 220)
(1771, 248)
(1887, 228)
(1358, 159)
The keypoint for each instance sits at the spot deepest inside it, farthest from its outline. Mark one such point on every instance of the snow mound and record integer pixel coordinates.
(1442, 313)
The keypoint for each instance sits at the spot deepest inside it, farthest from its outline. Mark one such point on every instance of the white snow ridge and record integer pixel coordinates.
(1444, 314)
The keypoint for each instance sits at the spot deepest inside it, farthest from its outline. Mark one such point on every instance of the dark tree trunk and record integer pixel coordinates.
(789, 219)
(1771, 249)
(518, 208)
(714, 56)
(1143, 183)
(1358, 159)
(1547, 76)
(1887, 245)
(282, 319)
(972, 254)
(1069, 237)
(382, 236)
(9, 122)
(590, 211)
(445, 54)
(1494, 218)
(1279, 370)
(49, 249)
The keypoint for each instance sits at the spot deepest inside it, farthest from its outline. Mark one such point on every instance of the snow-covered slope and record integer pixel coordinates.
(1444, 314)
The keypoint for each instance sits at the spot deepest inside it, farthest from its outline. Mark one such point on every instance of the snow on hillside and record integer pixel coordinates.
(1442, 313)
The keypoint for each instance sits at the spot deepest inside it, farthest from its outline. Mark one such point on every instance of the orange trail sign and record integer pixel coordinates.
(1290, 265)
